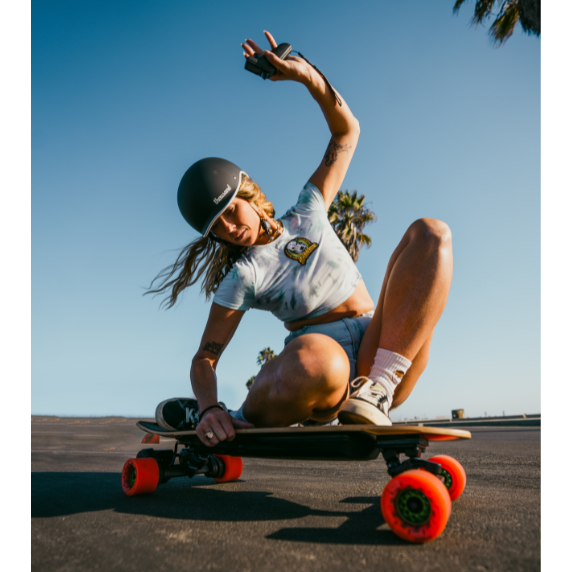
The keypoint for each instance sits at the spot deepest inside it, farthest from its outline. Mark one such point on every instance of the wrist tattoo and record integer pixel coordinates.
(213, 347)
(332, 151)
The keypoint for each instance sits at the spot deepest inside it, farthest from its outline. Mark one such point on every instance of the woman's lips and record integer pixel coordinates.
(241, 235)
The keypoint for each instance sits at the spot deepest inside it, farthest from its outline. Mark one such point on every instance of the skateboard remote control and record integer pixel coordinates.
(258, 64)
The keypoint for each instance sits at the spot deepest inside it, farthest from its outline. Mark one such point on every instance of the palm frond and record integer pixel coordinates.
(348, 216)
(510, 12)
(458, 5)
(265, 356)
(529, 16)
(504, 24)
(364, 239)
(483, 9)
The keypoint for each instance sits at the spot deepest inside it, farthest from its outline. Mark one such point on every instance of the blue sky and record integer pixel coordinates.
(127, 95)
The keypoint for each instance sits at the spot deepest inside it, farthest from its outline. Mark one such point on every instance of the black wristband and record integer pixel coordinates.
(207, 409)
(325, 79)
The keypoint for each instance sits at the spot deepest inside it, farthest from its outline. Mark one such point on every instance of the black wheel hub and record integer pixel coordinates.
(132, 476)
(448, 478)
(413, 507)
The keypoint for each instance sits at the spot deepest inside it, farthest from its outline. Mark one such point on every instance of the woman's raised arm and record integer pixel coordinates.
(343, 126)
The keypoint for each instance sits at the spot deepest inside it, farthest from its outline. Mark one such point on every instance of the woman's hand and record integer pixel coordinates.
(292, 68)
(221, 425)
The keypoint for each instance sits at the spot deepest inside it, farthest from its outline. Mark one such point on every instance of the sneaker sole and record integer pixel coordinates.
(159, 415)
(361, 413)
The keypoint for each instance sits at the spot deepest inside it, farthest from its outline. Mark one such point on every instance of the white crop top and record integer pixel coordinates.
(302, 274)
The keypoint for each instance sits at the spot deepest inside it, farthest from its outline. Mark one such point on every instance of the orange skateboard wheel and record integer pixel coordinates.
(232, 468)
(140, 476)
(455, 476)
(416, 506)
(431, 437)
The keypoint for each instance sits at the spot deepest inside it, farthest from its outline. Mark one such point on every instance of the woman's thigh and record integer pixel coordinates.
(348, 332)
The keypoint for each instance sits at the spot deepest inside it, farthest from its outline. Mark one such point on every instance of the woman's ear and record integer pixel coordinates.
(268, 224)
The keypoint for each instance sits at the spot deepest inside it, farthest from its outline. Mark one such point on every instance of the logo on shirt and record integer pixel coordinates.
(300, 249)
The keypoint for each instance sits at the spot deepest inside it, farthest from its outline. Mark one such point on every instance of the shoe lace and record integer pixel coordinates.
(191, 415)
(359, 382)
(375, 390)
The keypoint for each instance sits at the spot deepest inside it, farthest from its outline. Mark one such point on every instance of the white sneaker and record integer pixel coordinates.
(311, 423)
(368, 404)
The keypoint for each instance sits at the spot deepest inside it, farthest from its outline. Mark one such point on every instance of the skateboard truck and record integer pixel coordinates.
(190, 464)
(413, 447)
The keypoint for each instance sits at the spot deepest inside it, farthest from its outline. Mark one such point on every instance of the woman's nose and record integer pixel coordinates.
(228, 226)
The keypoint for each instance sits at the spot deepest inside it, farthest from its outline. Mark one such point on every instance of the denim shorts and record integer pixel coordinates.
(348, 332)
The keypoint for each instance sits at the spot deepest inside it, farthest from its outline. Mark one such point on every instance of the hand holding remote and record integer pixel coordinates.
(291, 68)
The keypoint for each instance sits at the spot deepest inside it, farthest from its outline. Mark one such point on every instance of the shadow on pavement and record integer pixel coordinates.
(61, 494)
(359, 528)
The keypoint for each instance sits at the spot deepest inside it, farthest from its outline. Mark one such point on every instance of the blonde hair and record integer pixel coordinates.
(207, 257)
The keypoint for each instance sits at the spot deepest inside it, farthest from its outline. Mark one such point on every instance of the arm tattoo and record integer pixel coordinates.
(213, 347)
(332, 151)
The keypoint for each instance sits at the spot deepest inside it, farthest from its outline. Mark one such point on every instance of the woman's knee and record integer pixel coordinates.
(316, 360)
(312, 368)
(431, 231)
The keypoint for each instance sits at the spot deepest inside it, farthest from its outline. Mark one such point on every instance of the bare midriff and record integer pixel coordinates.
(357, 304)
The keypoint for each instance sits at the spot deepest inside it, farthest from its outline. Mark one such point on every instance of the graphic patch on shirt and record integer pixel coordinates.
(300, 249)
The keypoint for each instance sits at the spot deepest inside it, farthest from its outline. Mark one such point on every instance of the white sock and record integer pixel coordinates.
(388, 370)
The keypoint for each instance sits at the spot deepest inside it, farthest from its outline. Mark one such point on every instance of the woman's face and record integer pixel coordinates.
(238, 224)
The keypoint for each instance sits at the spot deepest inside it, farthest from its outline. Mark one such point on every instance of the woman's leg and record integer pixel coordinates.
(409, 380)
(309, 376)
(412, 299)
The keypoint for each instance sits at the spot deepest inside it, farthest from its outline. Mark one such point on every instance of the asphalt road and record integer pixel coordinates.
(280, 516)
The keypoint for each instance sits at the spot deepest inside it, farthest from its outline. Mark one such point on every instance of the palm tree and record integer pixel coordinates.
(527, 12)
(348, 217)
(264, 356)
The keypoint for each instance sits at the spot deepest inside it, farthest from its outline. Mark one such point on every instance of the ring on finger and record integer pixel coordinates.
(209, 435)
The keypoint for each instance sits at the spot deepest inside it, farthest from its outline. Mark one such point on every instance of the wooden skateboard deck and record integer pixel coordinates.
(430, 433)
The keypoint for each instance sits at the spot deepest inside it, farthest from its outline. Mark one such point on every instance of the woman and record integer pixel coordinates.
(342, 360)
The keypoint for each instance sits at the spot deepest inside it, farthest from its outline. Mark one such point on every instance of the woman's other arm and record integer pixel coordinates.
(220, 328)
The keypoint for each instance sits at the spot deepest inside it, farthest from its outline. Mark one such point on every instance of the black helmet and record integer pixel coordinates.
(206, 189)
